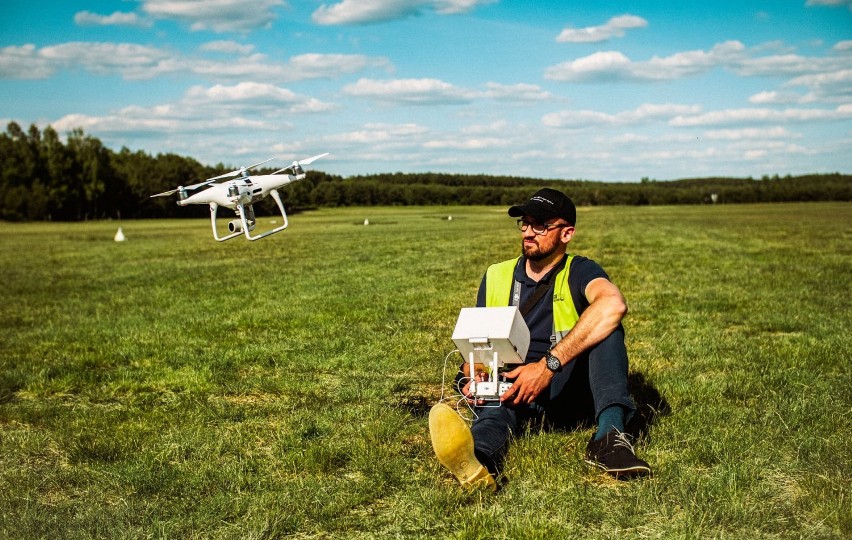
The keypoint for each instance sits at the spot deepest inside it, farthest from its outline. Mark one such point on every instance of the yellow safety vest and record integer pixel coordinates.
(499, 280)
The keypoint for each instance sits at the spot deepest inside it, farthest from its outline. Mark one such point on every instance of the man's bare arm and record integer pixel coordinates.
(607, 308)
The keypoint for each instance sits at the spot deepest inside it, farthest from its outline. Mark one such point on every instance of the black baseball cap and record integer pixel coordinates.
(547, 204)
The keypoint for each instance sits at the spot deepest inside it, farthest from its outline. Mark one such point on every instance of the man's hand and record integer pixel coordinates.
(530, 380)
(480, 376)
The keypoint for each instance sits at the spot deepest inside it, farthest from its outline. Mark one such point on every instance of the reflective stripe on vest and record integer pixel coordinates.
(499, 280)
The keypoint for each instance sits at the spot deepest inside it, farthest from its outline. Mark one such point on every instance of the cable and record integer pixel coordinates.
(444, 372)
(462, 399)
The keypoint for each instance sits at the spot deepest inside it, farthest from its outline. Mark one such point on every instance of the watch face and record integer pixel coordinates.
(553, 363)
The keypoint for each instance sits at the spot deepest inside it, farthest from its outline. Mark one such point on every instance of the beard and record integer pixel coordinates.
(536, 252)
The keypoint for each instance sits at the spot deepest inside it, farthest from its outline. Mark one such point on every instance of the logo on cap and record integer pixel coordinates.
(542, 199)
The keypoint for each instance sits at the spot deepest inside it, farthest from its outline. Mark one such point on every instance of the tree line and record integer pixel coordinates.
(44, 178)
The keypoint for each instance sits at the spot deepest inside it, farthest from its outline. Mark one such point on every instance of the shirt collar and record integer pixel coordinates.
(521, 272)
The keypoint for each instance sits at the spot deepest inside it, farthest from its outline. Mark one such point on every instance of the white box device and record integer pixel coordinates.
(493, 336)
(486, 330)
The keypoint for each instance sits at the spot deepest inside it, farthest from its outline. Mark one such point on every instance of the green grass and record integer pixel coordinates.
(174, 387)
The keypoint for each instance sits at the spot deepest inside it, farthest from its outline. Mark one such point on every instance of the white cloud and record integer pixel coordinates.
(778, 98)
(227, 47)
(644, 113)
(312, 106)
(613, 65)
(784, 65)
(467, 143)
(841, 81)
(470, 149)
(381, 133)
(832, 3)
(117, 18)
(410, 91)
(313, 66)
(609, 66)
(756, 115)
(516, 92)
(373, 11)
(692, 62)
(759, 150)
(499, 127)
(476, 137)
(249, 105)
(843, 46)
(254, 98)
(24, 62)
(250, 98)
(759, 134)
(215, 15)
(129, 60)
(352, 12)
(137, 62)
(242, 92)
(437, 92)
(132, 61)
(140, 120)
(600, 66)
(624, 138)
(615, 27)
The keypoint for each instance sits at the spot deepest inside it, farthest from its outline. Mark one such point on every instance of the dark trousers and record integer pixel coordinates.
(578, 394)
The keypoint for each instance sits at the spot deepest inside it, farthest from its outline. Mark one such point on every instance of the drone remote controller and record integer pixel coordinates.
(494, 337)
(489, 391)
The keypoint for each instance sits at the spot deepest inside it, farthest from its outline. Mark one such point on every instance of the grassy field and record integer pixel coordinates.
(174, 387)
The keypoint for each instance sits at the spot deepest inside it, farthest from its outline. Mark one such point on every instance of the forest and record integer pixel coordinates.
(44, 178)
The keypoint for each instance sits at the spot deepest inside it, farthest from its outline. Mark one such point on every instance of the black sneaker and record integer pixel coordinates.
(614, 454)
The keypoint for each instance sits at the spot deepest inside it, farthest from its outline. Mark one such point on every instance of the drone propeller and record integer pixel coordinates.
(169, 192)
(298, 163)
(230, 174)
(183, 189)
(211, 180)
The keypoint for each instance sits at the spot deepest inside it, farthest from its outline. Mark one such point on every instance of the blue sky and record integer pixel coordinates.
(611, 90)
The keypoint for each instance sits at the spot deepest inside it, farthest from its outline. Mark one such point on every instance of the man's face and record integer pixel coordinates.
(536, 247)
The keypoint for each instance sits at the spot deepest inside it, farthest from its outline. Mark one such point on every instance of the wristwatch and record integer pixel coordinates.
(553, 363)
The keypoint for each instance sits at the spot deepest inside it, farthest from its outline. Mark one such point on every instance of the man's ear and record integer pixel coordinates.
(567, 234)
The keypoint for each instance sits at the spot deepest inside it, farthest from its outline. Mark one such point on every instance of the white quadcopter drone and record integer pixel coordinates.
(240, 194)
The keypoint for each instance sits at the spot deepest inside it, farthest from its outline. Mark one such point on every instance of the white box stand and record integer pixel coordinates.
(494, 336)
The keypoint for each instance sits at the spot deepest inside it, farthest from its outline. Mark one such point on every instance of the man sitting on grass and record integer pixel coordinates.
(576, 364)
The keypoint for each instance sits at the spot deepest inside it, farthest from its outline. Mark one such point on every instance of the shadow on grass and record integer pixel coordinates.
(417, 399)
(9, 385)
(650, 405)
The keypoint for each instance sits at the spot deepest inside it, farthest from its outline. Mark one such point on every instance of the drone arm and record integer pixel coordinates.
(277, 198)
(213, 209)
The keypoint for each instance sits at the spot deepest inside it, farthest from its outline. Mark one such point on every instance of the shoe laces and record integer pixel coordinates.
(623, 439)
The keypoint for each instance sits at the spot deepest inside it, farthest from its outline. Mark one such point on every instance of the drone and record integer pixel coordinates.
(240, 194)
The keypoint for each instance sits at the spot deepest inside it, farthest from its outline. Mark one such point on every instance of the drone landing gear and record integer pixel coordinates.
(246, 222)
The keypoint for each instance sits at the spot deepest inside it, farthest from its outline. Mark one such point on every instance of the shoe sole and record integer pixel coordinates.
(452, 442)
(626, 471)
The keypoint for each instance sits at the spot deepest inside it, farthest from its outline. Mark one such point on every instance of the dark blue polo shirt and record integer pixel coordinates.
(540, 317)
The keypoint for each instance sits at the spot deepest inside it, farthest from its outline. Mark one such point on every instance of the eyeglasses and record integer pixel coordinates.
(538, 228)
